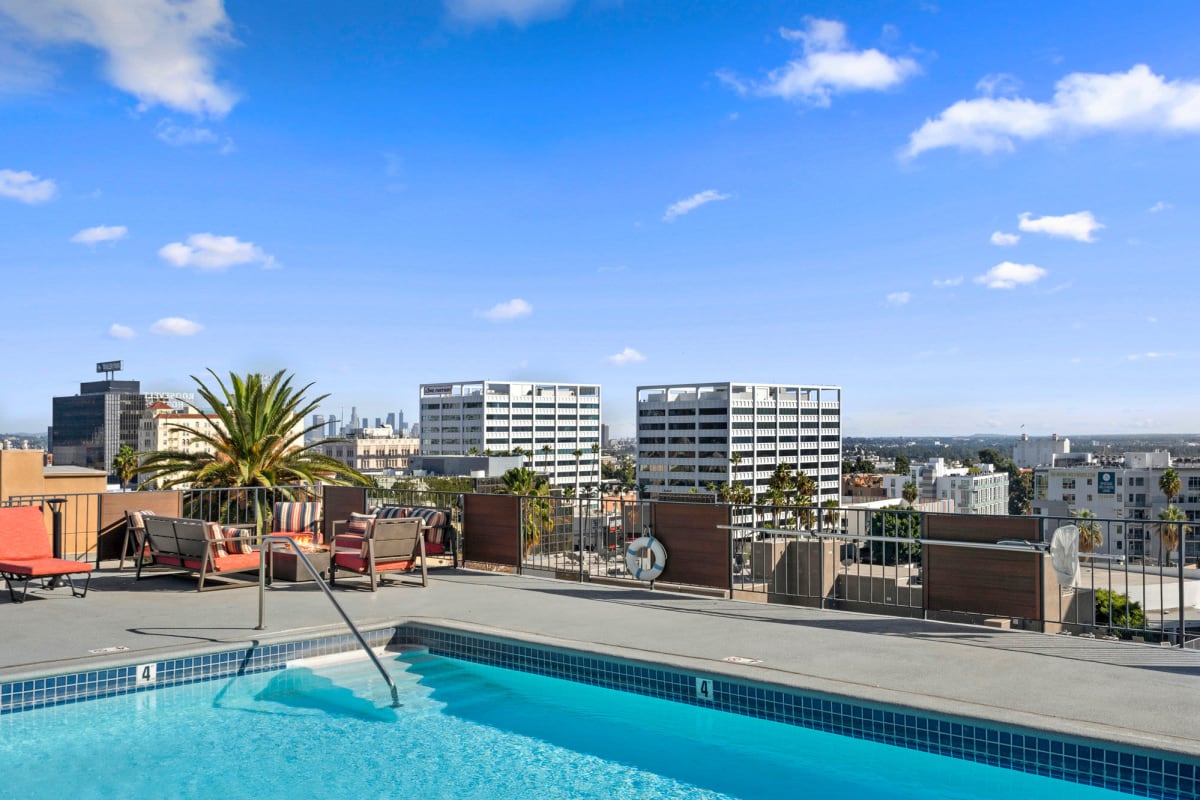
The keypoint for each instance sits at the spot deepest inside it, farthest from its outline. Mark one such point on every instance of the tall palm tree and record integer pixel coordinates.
(257, 440)
(546, 451)
(1090, 536)
(125, 464)
(1170, 525)
(910, 493)
(832, 515)
(1170, 484)
(536, 518)
(806, 490)
(578, 455)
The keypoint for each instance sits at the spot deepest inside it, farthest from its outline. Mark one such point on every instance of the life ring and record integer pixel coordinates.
(646, 558)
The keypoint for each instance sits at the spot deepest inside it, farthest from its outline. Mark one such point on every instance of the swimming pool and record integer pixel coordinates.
(470, 728)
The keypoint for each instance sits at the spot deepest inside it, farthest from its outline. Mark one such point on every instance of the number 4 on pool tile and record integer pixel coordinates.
(704, 688)
(146, 673)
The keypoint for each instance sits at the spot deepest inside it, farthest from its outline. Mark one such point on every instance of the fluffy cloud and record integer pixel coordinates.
(947, 283)
(690, 204)
(1084, 103)
(1148, 356)
(510, 309)
(160, 51)
(120, 331)
(100, 233)
(1078, 226)
(518, 12)
(176, 326)
(186, 135)
(898, 298)
(1002, 239)
(1007, 275)
(208, 252)
(626, 356)
(1159, 206)
(26, 187)
(826, 65)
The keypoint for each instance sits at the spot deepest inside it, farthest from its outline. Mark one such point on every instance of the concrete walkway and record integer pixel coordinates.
(1133, 694)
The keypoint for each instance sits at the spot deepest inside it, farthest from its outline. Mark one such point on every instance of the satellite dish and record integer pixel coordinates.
(1064, 555)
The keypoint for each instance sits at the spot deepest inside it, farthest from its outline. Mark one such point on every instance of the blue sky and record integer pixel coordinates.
(971, 216)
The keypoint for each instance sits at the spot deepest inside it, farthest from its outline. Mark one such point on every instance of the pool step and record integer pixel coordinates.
(386, 651)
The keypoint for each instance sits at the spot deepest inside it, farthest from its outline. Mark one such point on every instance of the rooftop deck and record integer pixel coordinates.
(1133, 694)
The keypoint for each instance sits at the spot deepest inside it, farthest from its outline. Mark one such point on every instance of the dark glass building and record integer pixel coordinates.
(90, 428)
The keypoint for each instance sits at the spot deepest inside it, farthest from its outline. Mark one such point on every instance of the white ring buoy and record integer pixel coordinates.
(646, 558)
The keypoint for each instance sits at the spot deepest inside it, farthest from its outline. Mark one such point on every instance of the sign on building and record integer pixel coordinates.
(1106, 483)
(437, 389)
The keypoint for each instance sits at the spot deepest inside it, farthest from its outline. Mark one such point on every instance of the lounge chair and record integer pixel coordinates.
(297, 520)
(135, 531)
(389, 545)
(26, 552)
(201, 547)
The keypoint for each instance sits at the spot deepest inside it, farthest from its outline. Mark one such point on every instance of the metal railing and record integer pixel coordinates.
(580, 538)
(265, 553)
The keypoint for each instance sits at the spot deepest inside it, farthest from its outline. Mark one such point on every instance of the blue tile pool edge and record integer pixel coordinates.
(1139, 772)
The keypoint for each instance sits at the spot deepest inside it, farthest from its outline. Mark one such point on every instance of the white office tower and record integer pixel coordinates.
(694, 435)
(548, 422)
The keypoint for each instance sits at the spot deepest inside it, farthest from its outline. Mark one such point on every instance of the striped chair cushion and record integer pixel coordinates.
(137, 519)
(358, 524)
(230, 535)
(296, 518)
(434, 519)
(389, 512)
(216, 539)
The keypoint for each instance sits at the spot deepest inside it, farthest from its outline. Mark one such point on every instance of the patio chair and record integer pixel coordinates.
(297, 520)
(135, 531)
(389, 545)
(26, 553)
(204, 548)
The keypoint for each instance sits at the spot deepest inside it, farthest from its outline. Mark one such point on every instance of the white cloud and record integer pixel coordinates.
(208, 252)
(121, 331)
(176, 326)
(176, 135)
(626, 356)
(1148, 356)
(26, 187)
(948, 282)
(689, 204)
(1007, 275)
(1152, 320)
(510, 309)
(1084, 103)
(100, 233)
(1002, 239)
(518, 12)
(898, 298)
(826, 66)
(998, 83)
(1159, 206)
(160, 51)
(1078, 226)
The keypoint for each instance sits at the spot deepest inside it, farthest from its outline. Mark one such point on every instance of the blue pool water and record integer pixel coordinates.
(464, 730)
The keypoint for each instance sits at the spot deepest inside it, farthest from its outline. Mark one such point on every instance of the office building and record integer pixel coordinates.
(1029, 453)
(89, 429)
(692, 435)
(972, 490)
(549, 422)
(372, 449)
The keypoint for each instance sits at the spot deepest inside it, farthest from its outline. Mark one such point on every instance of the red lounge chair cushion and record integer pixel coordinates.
(44, 567)
(356, 563)
(238, 563)
(358, 524)
(23, 534)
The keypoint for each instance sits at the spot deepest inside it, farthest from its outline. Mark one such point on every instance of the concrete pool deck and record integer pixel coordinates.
(1131, 694)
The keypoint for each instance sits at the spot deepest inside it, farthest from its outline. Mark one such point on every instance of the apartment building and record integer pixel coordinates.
(549, 422)
(970, 490)
(1127, 496)
(692, 435)
(1029, 453)
(372, 449)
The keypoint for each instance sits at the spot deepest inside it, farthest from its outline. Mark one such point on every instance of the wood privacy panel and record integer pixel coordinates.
(698, 552)
(977, 581)
(113, 506)
(492, 529)
(339, 502)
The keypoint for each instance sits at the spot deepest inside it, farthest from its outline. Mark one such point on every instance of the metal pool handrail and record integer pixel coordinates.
(264, 553)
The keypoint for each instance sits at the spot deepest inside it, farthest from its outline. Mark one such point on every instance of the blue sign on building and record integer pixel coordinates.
(1106, 483)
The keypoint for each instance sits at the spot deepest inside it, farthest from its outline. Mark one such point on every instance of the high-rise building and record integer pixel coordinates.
(91, 427)
(354, 421)
(549, 422)
(604, 437)
(690, 436)
(331, 427)
(391, 420)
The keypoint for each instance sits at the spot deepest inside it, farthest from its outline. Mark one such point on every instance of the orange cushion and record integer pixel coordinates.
(356, 563)
(42, 567)
(23, 534)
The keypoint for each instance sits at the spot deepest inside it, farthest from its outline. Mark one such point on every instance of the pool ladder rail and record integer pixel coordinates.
(265, 552)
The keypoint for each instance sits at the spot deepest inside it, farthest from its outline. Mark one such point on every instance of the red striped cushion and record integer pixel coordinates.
(230, 535)
(296, 518)
(359, 523)
(216, 539)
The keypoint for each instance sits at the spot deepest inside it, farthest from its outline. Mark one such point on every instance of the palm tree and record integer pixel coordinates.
(910, 493)
(125, 464)
(806, 490)
(534, 495)
(1169, 528)
(832, 515)
(1090, 536)
(578, 455)
(257, 441)
(473, 451)
(1170, 484)
(546, 451)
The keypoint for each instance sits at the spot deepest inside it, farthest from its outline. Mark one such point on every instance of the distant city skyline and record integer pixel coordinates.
(973, 219)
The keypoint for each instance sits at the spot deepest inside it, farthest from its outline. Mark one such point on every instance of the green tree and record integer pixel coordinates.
(832, 516)
(910, 493)
(546, 451)
(1117, 611)
(536, 518)
(902, 465)
(257, 439)
(1170, 484)
(1020, 484)
(806, 490)
(1169, 526)
(1090, 536)
(902, 524)
(125, 464)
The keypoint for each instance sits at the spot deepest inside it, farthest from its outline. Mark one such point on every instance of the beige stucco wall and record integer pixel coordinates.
(21, 473)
